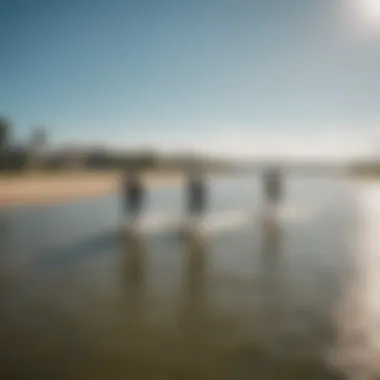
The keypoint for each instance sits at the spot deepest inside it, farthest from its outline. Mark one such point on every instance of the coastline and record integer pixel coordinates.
(42, 189)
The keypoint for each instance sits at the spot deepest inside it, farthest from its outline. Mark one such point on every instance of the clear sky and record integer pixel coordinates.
(127, 72)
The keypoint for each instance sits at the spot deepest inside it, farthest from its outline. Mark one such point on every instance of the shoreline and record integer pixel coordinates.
(46, 189)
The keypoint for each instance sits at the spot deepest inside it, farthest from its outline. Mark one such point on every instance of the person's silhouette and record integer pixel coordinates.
(134, 194)
(196, 195)
(273, 186)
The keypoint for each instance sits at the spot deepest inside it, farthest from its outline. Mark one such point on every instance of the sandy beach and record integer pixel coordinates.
(45, 189)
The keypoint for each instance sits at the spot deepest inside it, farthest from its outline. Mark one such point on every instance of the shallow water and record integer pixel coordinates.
(254, 299)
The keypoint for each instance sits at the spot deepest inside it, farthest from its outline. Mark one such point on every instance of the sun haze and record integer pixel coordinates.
(369, 12)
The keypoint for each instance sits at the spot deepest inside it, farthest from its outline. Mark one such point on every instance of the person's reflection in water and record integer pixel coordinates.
(262, 358)
(271, 239)
(194, 306)
(279, 358)
(271, 257)
(135, 267)
(195, 272)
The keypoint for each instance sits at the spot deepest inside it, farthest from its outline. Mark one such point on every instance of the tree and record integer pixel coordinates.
(5, 127)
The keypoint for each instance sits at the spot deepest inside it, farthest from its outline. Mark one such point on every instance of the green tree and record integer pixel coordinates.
(5, 128)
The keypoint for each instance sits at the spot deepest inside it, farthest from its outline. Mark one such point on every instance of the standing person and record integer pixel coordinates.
(272, 182)
(134, 195)
(273, 186)
(196, 197)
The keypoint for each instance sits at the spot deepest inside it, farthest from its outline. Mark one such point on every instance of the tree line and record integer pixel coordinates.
(36, 155)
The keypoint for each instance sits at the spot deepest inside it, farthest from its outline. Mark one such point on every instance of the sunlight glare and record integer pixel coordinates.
(370, 10)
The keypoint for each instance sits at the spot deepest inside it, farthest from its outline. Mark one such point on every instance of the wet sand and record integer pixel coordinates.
(254, 301)
(43, 189)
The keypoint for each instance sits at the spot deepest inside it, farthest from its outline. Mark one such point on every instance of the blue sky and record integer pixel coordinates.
(139, 71)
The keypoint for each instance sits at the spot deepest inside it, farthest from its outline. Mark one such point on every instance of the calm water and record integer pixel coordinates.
(78, 301)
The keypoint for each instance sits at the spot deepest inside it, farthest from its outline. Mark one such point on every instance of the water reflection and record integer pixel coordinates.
(271, 276)
(134, 251)
(357, 352)
(125, 325)
(278, 351)
(195, 281)
(142, 343)
(203, 342)
(54, 257)
(271, 245)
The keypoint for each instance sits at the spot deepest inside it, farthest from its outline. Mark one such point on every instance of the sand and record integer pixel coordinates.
(44, 189)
